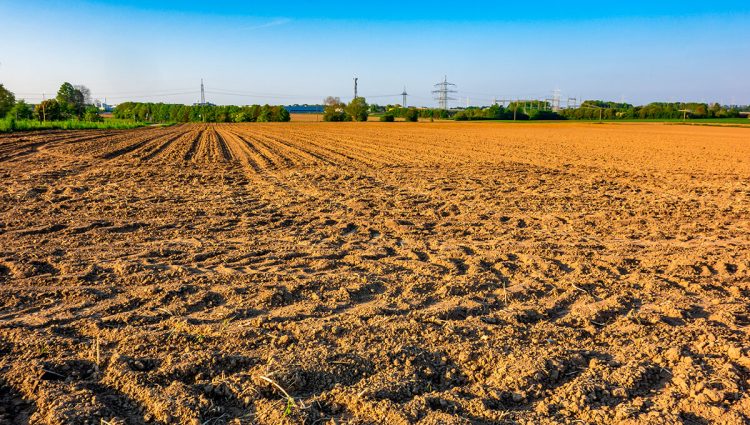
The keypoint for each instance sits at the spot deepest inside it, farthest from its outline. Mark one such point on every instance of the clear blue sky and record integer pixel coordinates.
(299, 52)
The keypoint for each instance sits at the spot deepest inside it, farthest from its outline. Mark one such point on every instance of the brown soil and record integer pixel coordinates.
(432, 273)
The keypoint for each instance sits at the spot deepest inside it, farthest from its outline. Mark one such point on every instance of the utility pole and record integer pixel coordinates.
(404, 94)
(355, 87)
(443, 91)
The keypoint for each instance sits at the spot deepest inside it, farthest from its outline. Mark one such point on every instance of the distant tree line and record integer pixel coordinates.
(529, 110)
(594, 109)
(167, 112)
(71, 102)
(413, 114)
(521, 111)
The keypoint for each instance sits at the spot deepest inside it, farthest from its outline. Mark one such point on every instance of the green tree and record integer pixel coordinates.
(281, 114)
(71, 100)
(388, 117)
(265, 114)
(48, 110)
(21, 111)
(7, 100)
(92, 114)
(358, 109)
(334, 110)
(412, 115)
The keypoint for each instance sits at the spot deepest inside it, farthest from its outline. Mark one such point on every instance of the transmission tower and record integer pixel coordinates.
(355, 87)
(203, 93)
(443, 92)
(556, 101)
(404, 94)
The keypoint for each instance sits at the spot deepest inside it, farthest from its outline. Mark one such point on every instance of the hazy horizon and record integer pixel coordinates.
(298, 53)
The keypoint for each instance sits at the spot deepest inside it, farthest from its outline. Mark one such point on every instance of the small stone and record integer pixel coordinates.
(463, 357)
(283, 340)
(714, 396)
(734, 353)
(680, 383)
(517, 397)
(673, 354)
(542, 408)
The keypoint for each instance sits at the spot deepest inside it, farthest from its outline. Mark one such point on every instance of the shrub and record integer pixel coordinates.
(544, 115)
(387, 118)
(92, 115)
(412, 115)
(21, 110)
(461, 116)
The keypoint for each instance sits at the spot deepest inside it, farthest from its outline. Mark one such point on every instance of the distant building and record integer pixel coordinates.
(304, 109)
(204, 104)
(103, 106)
(745, 114)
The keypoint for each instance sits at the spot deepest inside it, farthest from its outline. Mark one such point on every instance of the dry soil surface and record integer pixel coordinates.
(376, 273)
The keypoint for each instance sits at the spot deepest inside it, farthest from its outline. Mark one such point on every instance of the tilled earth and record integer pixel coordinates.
(376, 273)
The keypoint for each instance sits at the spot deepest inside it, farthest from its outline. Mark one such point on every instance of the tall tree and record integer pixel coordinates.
(71, 100)
(48, 110)
(358, 109)
(7, 100)
(86, 94)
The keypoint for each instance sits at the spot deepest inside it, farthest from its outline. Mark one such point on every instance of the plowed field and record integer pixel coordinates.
(374, 273)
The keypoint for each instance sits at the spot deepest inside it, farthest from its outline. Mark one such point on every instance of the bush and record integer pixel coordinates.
(335, 115)
(412, 115)
(10, 124)
(387, 118)
(92, 115)
(334, 110)
(21, 111)
(544, 115)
